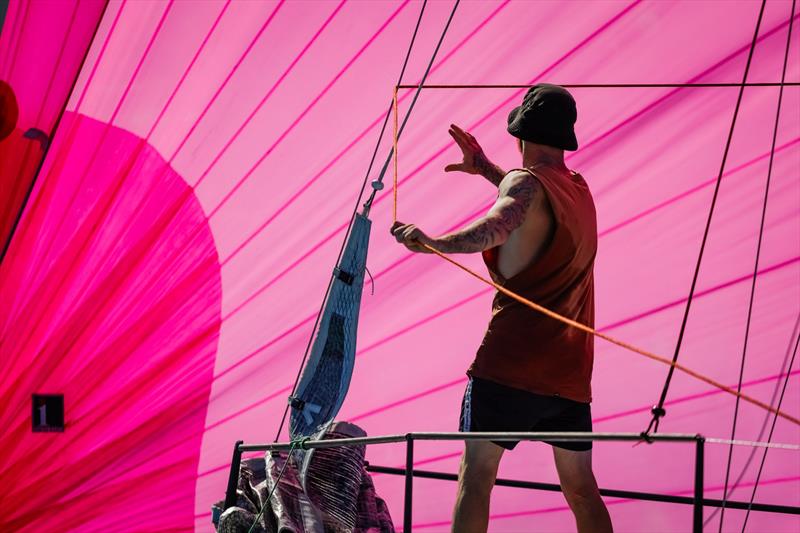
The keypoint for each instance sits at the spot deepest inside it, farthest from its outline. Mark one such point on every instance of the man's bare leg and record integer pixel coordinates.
(475, 481)
(580, 490)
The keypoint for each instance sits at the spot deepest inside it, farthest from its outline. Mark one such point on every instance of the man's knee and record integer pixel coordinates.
(477, 477)
(576, 476)
(582, 493)
(479, 466)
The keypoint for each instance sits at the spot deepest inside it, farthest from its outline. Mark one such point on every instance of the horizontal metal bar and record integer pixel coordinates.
(500, 436)
(605, 85)
(555, 436)
(754, 444)
(635, 495)
(329, 443)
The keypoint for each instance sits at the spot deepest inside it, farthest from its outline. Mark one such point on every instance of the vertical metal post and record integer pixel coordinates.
(409, 483)
(699, 467)
(233, 476)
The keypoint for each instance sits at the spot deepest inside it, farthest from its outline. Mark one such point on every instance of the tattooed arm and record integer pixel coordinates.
(488, 170)
(475, 161)
(517, 192)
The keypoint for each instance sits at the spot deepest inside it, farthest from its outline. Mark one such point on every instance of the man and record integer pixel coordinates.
(531, 372)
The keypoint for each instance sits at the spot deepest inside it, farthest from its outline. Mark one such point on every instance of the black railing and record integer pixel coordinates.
(697, 500)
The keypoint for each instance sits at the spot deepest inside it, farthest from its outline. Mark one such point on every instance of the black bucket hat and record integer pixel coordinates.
(547, 116)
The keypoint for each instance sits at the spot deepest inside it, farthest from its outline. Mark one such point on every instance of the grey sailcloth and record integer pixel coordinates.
(326, 376)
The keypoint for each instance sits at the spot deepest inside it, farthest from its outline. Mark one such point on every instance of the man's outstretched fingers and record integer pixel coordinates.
(457, 134)
(464, 135)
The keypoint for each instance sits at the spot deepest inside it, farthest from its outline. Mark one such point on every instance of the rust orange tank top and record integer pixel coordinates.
(523, 348)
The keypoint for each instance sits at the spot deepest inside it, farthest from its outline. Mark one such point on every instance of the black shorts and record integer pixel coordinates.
(490, 406)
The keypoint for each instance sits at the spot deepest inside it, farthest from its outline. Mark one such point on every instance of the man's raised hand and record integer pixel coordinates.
(469, 147)
(475, 161)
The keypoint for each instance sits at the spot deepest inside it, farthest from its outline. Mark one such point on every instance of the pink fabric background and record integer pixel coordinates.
(41, 71)
(180, 237)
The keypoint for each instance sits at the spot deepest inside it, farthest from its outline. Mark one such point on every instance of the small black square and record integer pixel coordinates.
(48, 412)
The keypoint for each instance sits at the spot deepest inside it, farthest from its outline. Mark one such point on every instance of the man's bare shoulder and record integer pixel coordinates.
(520, 184)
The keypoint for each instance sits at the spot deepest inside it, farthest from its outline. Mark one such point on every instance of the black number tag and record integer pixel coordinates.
(48, 412)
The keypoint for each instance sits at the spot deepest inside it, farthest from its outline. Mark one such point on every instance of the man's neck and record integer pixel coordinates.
(533, 155)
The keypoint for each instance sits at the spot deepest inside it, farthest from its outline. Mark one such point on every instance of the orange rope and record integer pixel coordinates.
(573, 323)
(612, 340)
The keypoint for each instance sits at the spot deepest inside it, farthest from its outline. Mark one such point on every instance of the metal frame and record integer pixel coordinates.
(697, 500)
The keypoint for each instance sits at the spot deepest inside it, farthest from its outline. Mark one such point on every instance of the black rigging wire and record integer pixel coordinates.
(755, 267)
(364, 183)
(419, 88)
(769, 438)
(765, 423)
(361, 192)
(350, 226)
(658, 410)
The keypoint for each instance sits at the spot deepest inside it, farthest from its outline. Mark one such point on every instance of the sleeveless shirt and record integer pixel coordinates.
(523, 348)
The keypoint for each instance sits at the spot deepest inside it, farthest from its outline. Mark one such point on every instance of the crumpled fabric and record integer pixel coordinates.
(251, 493)
(340, 495)
(333, 479)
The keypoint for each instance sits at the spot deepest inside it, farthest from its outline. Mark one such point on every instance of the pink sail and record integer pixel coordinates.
(168, 266)
(42, 47)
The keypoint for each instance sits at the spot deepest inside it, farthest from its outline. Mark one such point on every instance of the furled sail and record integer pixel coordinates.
(326, 376)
